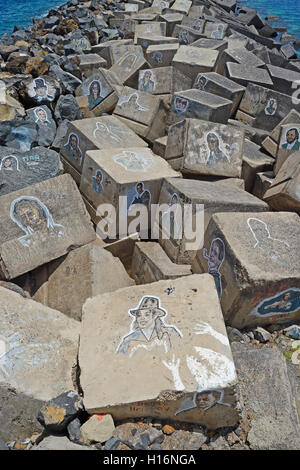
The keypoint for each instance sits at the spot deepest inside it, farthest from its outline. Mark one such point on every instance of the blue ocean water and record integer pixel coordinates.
(20, 12)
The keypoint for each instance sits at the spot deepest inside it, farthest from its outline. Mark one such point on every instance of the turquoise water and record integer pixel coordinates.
(20, 12)
(288, 10)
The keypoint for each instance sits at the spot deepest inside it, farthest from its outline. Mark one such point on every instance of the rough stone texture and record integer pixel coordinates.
(161, 55)
(150, 263)
(19, 170)
(41, 90)
(254, 161)
(57, 413)
(106, 322)
(20, 135)
(193, 60)
(42, 116)
(184, 440)
(163, 80)
(98, 428)
(206, 148)
(267, 395)
(257, 272)
(127, 62)
(238, 56)
(216, 197)
(67, 108)
(59, 443)
(244, 74)
(84, 272)
(50, 212)
(39, 348)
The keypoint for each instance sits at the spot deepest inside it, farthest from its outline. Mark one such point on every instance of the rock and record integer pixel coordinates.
(292, 332)
(42, 117)
(184, 440)
(56, 414)
(219, 443)
(167, 429)
(157, 447)
(68, 81)
(145, 397)
(42, 90)
(3, 446)
(99, 272)
(267, 251)
(20, 135)
(243, 74)
(59, 443)
(261, 334)
(254, 161)
(14, 288)
(73, 429)
(112, 443)
(161, 54)
(98, 428)
(234, 334)
(267, 397)
(67, 108)
(10, 108)
(36, 66)
(37, 361)
(59, 219)
(268, 32)
(193, 60)
(60, 134)
(17, 62)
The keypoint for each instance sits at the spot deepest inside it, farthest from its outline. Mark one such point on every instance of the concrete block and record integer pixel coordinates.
(270, 143)
(244, 74)
(193, 60)
(161, 55)
(127, 62)
(163, 80)
(289, 142)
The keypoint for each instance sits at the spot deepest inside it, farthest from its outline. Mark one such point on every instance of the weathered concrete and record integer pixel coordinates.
(163, 80)
(84, 272)
(161, 55)
(39, 346)
(50, 213)
(193, 60)
(270, 143)
(215, 197)
(256, 271)
(59, 443)
(244, 74)
(289, 142)
(254, 161)
(126, 355)
(127, 62)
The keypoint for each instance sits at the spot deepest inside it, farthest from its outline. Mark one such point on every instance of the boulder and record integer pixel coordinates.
(57, 413)
(60, 443)
(42, 117)
(98, 428)
(19, 135)
(192, 373)
(67, 108)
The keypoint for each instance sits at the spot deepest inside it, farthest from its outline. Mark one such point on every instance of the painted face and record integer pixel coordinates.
(291, 135)
(7, 163)
(42, 115)
(201, 83)
(205, 400)
(214, 262)
(73, 142)
(145, 318)
(99, 178)
(139, 188)
(213, 142)
(286, 296)
(147, 77)
(41, 91)
(174, 200)
(31, 218)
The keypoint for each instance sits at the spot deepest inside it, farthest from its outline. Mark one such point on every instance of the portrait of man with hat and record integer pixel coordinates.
(42, 95)
(148, 328)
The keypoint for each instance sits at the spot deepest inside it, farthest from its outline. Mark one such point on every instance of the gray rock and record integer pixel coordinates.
(60, 134)
(267, 395)
(268, 32)
(235, 335)
(156, 447)
(42, 117)
(219, 443)
(155, 435)
(67, 108)
(68, 81)
(112, 444)
(59, 443)
(261, 334)
(292, 331)
(98, 428)
(21, 135)
(3, 446)
(56, 414)
(74, 430)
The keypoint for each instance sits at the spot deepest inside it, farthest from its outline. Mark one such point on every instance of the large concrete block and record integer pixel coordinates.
(262, 182)
(103, 49)
(161, 55)
(284, 80)
(244, 74)
(90, 63)
(193, 60)
(153, 28)
(153, 40)
(182, 6)
(216, 44)
(284, 192)
(239, 56)
(96, 133)
(205, 148)
(254, 259)
(21, 169)
(171, 19)
(254, 161)
(83, 273)
(199, 104)
(266, 107)
(270, 143)
(141, 329)
(216, 197)
(217, 84)
(163, 80)
(142, 112)
(215, 30)
(127, 62)
(40, 224)
(150, 263)
(186, 35)
(38, 349)
(289, 142)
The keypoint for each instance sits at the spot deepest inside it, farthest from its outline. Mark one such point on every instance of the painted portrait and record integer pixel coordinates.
(291, 139)
(140, 196)
(274, 249)
(94, 96)
(72, 148)
(132, 102)
(198, 25)
(9, 163)
(132, 161)
(180, 104)
(43, 93)
(128, 61)
(33, 217)
(22, 137)
(288, 301)
(216, 154)
(157, 57)
(41, 118)
(97, 182)
(114, 133)
(201, 82)
(218, 32)
(215, 259)
(147, 82)
(184, 37)
(148, 328)
(203, 400)
(271, 107)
